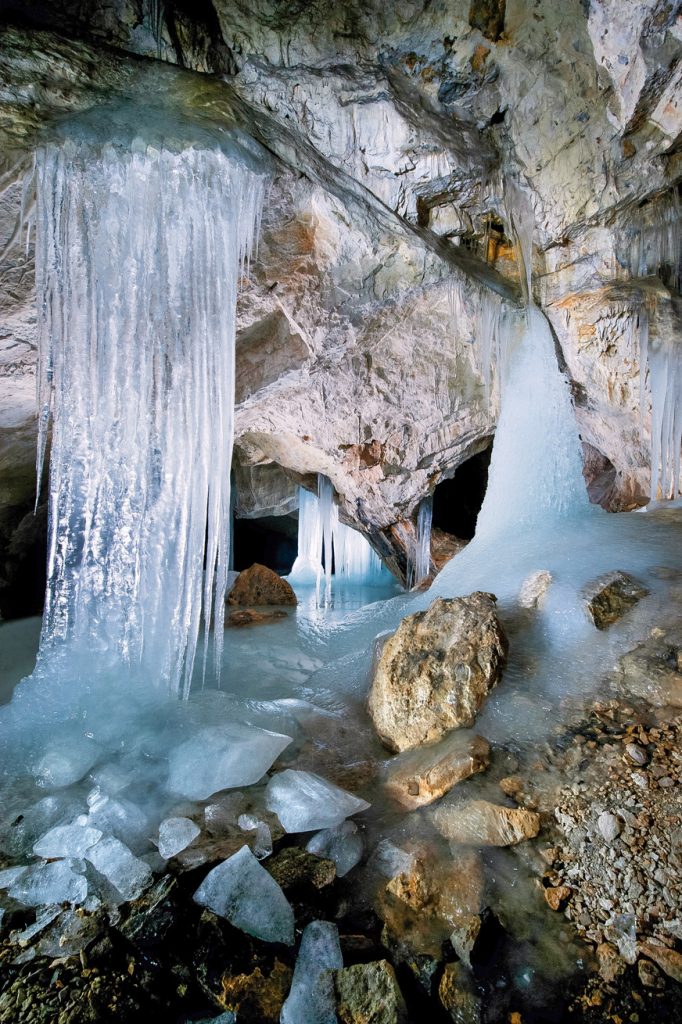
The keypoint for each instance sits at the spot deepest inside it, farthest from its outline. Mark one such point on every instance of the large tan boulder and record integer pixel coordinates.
(260, 585)
(436, 671)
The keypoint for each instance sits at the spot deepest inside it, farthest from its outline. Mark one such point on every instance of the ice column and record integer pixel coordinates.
(419, 560)
(138, 256)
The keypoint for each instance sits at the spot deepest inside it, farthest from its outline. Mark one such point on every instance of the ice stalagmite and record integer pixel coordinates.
(138, 255)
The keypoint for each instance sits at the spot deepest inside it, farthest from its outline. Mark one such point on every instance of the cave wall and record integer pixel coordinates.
(392, 129)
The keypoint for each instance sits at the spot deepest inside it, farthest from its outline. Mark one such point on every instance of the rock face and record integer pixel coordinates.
(421, 776)
(610, 596)
(436, 670)
(480, 823)
(369, 994)
(394, 129)
(260, 585)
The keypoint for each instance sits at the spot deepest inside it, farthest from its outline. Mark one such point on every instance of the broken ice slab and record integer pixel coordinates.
(8, 876)
(126, 873)
(175, 834)
(120, 818)
(304, 802)
(67, 841)
(262, 844)
(342, 844)
(223, 757)
(44, 884)
(66, 761)
(311, 999)
(27, 828)
(242, 891)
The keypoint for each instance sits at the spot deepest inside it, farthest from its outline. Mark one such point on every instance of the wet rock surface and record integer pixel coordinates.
(610, 596)
(261, 586)
(419, 777)
(436, 670)
(369, 994)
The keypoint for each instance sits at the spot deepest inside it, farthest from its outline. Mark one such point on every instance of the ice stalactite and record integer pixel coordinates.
(327, 546)
(661, 365)
(138, 254)
(419, 559)
(650, 240)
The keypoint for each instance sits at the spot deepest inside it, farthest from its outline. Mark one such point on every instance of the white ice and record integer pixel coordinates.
(67, 841)
(304, 802)
(56, 882)
(223, 757)
(175, 834)
(243, 892)
(342, 844)
(65, 761)
(311, 999)
(129, 875)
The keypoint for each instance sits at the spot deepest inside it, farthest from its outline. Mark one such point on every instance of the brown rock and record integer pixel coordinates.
(488, 17)
(667, 959)
(256, 998)
(436, 670)
(293, 868)
(480, 823)
(456, 995)
(557, 896)
(250, 617)
(610, 596)
(611, 964)
(259, 585)
(649, 975)
(369, 994)
(421, 776)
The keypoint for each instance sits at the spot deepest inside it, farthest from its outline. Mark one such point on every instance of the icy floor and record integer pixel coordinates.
(106, 765)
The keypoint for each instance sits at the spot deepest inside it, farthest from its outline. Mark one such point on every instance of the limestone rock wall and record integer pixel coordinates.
(393, 130)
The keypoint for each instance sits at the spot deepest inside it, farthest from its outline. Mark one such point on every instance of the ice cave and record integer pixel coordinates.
(340, 512)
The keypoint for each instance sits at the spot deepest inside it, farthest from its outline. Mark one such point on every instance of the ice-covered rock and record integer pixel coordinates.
(482, 823)
(223, 757)
(311, 999)
(243, 892)
(175, 834)
(56, 882)
(67, 841)
(65, 761)
(342, 844)
(304, 802)
(126, 873)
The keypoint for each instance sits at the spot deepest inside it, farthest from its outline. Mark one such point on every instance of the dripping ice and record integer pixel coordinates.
(138, 256)
(327, 546)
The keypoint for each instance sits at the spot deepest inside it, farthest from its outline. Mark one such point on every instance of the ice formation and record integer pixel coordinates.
(663, 359)
(67, 841)
(243, 892)
(311, 999)
(223, 757)
(326, 546)
(419, 560)
(175, 834)
(126, 873)
(304, 801)
(343, 844)
(139, 245)
(56, 882)
(651, 240)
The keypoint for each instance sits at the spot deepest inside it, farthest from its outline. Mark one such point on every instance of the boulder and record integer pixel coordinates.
(610, 596)
(260, 585)
(457, 995)
(369, 994)
(418, 777)
(436, 670)
(480, 823)
(256, 997)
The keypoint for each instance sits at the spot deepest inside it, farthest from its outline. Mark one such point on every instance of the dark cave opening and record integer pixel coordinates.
(271, 541)
(457, 500)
